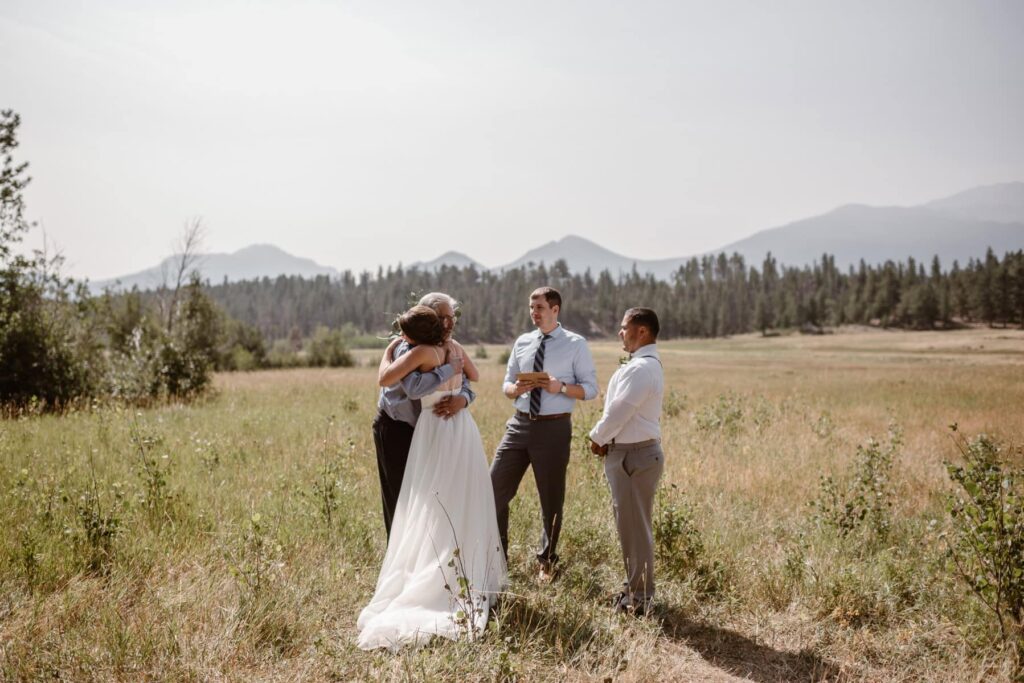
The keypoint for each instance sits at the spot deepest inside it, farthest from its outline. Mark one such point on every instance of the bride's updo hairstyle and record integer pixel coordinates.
(422, 325)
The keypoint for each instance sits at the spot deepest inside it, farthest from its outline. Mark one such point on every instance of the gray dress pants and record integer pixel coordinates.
(544, 446)
(633, 471)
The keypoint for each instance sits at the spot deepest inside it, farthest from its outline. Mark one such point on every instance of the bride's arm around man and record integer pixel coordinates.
(399, 403)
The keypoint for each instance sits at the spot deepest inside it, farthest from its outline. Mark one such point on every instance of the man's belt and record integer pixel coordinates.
(542, 418)
(631, 446)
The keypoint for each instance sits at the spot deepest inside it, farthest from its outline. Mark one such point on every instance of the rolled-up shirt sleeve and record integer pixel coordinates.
(586, 373)
(418, 384)
(512, 368)
(633, 389)
(466, 391)
(616, 415)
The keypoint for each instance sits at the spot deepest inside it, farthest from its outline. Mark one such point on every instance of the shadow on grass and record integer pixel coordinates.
(740, 656)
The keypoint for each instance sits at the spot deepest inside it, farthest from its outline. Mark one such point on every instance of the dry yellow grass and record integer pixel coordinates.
(755, 424)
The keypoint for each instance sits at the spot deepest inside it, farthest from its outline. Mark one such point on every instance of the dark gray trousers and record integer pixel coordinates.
(543, 445)
(633, 473)
(392, 439)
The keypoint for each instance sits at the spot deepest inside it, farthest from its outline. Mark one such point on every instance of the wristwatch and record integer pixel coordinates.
(564, 389)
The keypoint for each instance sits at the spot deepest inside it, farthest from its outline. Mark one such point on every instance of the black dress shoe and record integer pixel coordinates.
(642, 608)
(638, 608)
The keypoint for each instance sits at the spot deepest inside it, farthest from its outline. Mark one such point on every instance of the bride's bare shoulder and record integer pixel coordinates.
(427, 355)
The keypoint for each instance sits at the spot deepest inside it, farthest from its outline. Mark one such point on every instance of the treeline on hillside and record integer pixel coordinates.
(708, 297)
(61, 347)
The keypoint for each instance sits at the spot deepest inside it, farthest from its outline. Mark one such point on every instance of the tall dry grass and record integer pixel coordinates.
(238, 538)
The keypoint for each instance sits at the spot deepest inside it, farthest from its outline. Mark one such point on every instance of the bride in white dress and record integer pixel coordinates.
(444, 566)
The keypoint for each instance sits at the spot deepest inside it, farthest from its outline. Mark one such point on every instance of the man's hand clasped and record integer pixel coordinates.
(598, 450)
(552, 385)
(448, 406)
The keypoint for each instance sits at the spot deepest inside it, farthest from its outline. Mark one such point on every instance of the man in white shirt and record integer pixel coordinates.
(629, 437)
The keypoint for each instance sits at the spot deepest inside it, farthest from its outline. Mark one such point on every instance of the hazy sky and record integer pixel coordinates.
(358, 133)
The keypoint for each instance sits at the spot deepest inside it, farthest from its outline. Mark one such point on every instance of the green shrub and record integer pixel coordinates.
(327, 349)
(674, 403)
(780, 581)
(824, 426)
(241, 347)
(255, 561)
(98, 525)
(865, 500)
(724, 415)
(283, 355)
(48, 349)
(851, 597)
(679, 546)
(242, 360)
(986, 540)
(153, 468)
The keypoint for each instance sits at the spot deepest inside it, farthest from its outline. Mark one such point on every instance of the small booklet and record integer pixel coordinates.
(532, 377)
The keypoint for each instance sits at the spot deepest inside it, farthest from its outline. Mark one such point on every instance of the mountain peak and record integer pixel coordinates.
(1002, 203)
(580, 254)
(248, 263)
(576, 240)
(452, 258)
(261, 249)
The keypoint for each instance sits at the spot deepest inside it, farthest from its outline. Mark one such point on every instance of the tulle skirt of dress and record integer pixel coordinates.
(445, 516)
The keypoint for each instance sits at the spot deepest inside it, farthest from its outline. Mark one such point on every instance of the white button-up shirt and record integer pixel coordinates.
(632, 407)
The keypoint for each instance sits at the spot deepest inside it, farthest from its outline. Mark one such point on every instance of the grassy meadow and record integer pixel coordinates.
(237, 538)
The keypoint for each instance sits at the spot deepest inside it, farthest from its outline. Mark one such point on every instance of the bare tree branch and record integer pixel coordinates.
(186, 258)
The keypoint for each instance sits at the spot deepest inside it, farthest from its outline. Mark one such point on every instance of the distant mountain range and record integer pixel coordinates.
(954, 228)
(250, 263)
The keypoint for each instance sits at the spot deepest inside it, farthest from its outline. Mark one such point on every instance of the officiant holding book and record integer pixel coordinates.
(548, 370)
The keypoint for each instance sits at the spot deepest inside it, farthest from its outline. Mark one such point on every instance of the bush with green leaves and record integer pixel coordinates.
(255, 561)
(49, 353)
(674, 403)
(679, 545)
(724, 415)
(241, 347)
(985, 542)
(327, 349)
(98, 526)
(59, 345)
(153, 362)
(864, 501)
(153, 466)
(328, 485)
(49, 349)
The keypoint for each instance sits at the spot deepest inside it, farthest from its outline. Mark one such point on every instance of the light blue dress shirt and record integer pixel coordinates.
(566, 357)
(401, 401)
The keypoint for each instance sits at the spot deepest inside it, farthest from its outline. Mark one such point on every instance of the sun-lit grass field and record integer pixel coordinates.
(238, 537)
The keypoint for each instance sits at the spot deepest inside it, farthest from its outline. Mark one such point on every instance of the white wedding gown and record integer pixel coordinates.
(446, 503)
